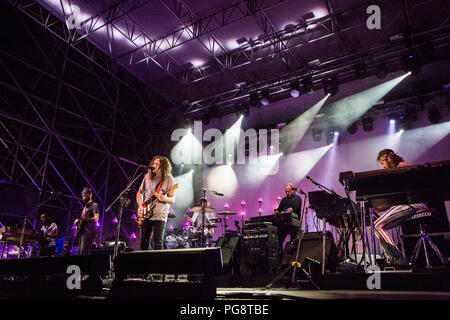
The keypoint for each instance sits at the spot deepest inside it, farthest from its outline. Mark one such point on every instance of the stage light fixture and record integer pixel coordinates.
(381, 71)
(412, 63)
(188, 123)
(317, 134)
(207, 118)
(352, 129)
(290, 27)
(403, 125)
(307, 84)
(392, 118)
(265, 97)
(295, 89)
(254, 100)
(308, 16)
(332, 134)
(411, 115)
(434, 115)
(367, 124)
(242, 109)
(360, 70)
(330, 85)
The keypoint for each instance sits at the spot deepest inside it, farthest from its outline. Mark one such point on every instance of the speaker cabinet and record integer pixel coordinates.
(230, 247)
(311, 248)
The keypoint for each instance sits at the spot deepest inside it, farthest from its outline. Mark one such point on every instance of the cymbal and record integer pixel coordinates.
(199, 209)
(226, 213)
(171, 216)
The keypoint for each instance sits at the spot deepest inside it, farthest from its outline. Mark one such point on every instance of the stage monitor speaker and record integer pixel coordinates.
(88, 264)
(200, 264)
(172, 261)
(311, 247)
(46, 277)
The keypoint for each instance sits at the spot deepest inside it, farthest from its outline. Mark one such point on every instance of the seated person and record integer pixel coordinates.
(393, 216)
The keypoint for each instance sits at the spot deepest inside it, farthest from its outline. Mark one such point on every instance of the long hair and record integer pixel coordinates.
(164, 165)
(388, 152)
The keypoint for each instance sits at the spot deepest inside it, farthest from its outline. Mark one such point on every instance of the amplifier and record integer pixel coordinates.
(263, 230)
(260, 250)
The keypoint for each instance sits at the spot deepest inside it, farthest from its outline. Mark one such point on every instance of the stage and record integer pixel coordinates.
(190, 150)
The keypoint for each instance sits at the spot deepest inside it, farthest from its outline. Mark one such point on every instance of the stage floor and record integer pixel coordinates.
(296, 294)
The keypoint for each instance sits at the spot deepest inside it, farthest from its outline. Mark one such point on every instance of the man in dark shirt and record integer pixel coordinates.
(292, 204)
(87, 229)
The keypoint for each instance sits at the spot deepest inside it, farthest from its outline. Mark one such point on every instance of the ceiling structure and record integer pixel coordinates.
(208, 57)
(86, 106)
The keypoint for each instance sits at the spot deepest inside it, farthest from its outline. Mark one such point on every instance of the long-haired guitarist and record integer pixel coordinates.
(157, 189)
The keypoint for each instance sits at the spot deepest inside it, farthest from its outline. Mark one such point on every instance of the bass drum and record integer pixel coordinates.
(174, 242)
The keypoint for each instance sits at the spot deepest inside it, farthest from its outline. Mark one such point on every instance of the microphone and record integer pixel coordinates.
(219, 194)
(299, 190)
(311, 180)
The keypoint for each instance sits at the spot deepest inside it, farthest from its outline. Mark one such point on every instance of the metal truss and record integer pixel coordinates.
(57, 27)
(193, 30)
(60, 134)
(340, 65)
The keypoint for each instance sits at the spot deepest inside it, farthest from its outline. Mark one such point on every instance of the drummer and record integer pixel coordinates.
(196, 221)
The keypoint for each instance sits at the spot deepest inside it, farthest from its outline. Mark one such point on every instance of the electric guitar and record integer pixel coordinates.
(150, 204)
(82, 223)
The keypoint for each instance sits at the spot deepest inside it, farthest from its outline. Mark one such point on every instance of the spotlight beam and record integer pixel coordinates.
(291, 135)
(228, 141)
(345, 112)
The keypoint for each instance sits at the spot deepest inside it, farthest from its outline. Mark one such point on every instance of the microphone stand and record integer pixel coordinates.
(346, 200)
(204, 204)
(124, 202)
(294, 263)
(325, 188)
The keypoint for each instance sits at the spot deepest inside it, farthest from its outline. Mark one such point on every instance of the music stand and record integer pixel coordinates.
(295, 263)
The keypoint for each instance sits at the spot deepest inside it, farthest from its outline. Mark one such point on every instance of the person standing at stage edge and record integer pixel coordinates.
(154, 185)
(87, 225)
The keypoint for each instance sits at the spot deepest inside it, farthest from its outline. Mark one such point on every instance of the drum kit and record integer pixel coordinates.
(191, 236)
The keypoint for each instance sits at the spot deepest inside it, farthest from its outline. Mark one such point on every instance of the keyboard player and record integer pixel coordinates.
(292, 203)
(393, 216)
